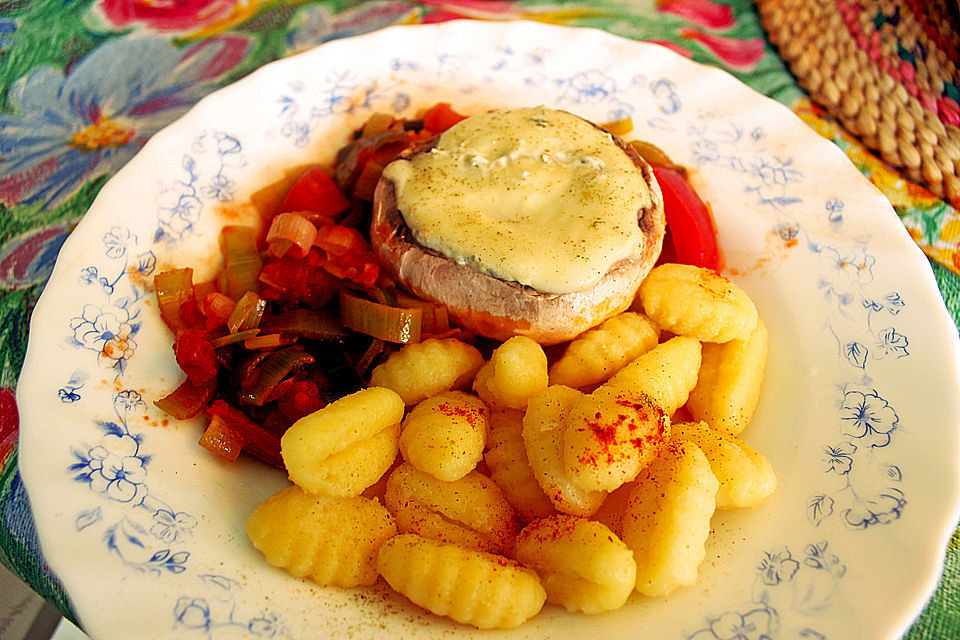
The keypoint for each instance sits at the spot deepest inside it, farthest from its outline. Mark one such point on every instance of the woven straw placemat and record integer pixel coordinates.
(887, 70)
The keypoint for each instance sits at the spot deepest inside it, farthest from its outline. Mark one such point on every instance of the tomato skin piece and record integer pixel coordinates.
(196, 356)
(254, 439)
(187, 400)
(691, 237)
(441, 117)
(316, 192)
(301, 398)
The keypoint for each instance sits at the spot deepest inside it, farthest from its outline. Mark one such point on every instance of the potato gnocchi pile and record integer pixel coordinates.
(575, 483)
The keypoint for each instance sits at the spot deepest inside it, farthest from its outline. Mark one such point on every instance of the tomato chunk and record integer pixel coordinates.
(196, 356)
(441, 117)
(317, 193)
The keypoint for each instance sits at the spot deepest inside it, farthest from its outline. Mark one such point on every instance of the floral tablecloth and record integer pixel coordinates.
(84, 83)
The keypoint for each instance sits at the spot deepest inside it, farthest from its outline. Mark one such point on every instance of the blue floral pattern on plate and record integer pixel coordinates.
(849, 291)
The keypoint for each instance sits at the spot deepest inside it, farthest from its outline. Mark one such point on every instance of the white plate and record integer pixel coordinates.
(859, 412)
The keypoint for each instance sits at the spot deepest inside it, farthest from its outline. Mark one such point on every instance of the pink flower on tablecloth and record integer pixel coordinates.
(741, 54)
(164, 15)
(708, 14)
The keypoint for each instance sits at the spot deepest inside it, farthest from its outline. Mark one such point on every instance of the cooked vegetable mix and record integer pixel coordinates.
(480, 478)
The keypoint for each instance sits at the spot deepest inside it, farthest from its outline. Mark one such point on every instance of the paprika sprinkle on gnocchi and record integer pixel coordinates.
(437, 444)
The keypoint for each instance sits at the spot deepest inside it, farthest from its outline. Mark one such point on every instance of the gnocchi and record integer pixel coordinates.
(347, 445)
(595, 355)
(420, 370)
(542, 439)
(614, 505)
(516, 371)
(471, 587)
(667, 518)
(697, 302)
(470, 511)
(608, 437)
(330, 540)
(728, 385)
(582, 565)
(445, 435)
(666, 374)
(746, 477)
(506, 459)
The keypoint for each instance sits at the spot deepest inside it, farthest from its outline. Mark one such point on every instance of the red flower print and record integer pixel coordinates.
(9, 424)
(165, 15)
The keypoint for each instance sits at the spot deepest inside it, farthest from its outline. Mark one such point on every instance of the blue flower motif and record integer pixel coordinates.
(88, 276)
(164, 559)
(170, 526)
(114, 468)
(299, 131)
(146, 263)
(846, 268)
(756, 624)
(840, 458)
(894, 303)
(889, 341)
(220, 188)
(855, 353)
(116, 242)
(834, 208)
(867, 417)
(666, 93)
(192, 613)
(68, 394)
(107, 331)
(619, 110)
(589, 87)
(819, 507)
(787, 231)
(771, 178)
(266, 626)
(179, 206)
(818, 558)
(68, 128)
(88, 518)
(337, 91)
(777, 566)
(882, 508)
(705, 150)
(126, 401)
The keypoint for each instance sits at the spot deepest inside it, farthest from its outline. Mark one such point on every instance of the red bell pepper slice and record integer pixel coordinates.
(316, 192)
(691, 236)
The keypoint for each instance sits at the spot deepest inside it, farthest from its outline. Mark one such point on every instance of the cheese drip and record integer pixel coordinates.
(533, 195)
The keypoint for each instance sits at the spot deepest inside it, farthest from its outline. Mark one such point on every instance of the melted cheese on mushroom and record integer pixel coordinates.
(533, 195)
